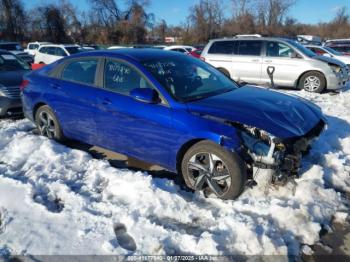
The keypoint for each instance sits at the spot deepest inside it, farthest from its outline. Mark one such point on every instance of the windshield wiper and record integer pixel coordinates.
(200, 97)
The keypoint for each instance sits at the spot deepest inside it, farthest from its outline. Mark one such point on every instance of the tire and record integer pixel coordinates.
(228, 175)
(314, 82)
(48, 124)
(224, 71)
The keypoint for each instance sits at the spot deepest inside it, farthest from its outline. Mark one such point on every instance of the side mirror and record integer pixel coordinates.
(241, 84)
(146, 95)
(294, 55)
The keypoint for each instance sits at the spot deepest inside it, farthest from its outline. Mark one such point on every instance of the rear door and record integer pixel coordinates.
(74, 98)
(280, 56)
(220, 55)
(247, 61)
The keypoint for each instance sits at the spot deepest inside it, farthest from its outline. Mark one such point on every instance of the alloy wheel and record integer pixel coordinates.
(46, 125)
(312, 83)
(208, 169)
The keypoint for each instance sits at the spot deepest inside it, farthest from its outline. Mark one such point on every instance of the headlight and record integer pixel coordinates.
(255, 145)
(336, 69)
(256, 140)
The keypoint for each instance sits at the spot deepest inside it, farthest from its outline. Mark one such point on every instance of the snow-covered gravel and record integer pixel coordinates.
(58, 200)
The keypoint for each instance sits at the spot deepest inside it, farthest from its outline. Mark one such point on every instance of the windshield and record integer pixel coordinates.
(9, 62)
(332, 51)
(188, 79)
(73, 50)
(302, 48)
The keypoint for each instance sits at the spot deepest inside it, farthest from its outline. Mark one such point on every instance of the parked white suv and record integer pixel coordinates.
(48, 54)
(247, 60)
(33, 47)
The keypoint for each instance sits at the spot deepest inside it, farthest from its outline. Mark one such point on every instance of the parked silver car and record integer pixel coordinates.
(247, 60)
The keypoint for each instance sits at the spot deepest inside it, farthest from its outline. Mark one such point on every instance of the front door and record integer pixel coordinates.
(282, 57)
(129, 126)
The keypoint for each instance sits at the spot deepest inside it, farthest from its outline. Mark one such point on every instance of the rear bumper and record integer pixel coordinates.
(10, 107)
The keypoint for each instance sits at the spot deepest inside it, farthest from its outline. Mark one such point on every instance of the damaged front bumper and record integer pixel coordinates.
(273, 160)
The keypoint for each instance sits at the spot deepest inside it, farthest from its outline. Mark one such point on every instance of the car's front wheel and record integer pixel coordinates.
(209, 167)
(313, 82)
(48, 124)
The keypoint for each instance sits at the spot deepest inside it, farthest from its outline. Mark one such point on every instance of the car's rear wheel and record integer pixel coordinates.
(48, 124)
(313, 82)
(209, 167)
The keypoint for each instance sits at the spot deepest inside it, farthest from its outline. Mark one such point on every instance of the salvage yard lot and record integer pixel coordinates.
(59, 200)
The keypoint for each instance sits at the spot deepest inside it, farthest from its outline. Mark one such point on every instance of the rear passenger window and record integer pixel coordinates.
(82, 71)
(51, 51)
(222, 47)
(251, 48)
(60, 52)
(43, 50)
(121, 78)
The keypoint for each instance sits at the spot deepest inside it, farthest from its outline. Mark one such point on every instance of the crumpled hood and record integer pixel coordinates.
(12, 78)
(330, 60)
(281, 115)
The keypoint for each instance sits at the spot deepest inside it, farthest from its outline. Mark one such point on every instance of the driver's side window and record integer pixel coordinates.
(122, 78)
(276, 49)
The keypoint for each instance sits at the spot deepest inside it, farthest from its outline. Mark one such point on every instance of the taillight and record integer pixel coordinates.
(23, 84)
(202, 58)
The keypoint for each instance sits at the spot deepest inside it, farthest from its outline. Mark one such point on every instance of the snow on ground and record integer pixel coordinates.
(58, 200)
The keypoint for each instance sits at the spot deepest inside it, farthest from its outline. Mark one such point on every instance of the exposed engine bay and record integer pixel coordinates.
(271, 160)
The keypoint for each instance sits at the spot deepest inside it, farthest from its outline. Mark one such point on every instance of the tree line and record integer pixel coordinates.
(109, 22)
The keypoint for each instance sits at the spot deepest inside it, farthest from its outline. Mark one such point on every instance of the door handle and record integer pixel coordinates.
(268, 61)
(105, 101)
(256, 60)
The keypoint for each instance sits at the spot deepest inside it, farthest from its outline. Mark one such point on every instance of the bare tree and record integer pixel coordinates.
(12, 19)
(124, 26)
(242, 7)
(271, 13)
(205, 20)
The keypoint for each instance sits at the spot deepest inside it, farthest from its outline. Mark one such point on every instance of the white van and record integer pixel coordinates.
(247, 60)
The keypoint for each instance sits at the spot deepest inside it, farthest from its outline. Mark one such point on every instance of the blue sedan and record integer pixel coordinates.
(176, 111)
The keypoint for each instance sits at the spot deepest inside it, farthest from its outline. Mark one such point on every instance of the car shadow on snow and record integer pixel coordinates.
(124, 162)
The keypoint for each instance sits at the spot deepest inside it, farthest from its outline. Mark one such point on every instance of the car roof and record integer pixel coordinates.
(315, 46)
(132, 53)
(59, 45)
(40, 43)
(251, 38)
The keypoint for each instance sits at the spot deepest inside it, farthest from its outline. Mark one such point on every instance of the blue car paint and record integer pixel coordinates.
(156, 132)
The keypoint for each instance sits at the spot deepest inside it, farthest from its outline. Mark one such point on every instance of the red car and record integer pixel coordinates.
(196, 53)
